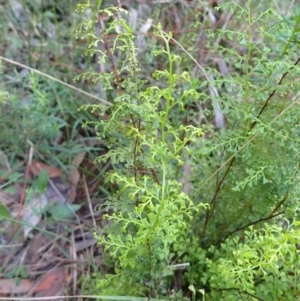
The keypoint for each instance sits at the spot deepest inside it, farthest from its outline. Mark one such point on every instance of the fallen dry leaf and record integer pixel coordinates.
(77, 160)
(37, 167)
(5, 199)
(32, 212)
(9, 286)
(34, 251)
(4, 160)
(52, 284)
(74, 177)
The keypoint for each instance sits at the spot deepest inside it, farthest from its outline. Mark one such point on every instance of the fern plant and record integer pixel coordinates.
(150, 209)
(237, 226)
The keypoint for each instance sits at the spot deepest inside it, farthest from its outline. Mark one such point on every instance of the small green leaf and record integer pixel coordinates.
(192, 288)
(202, 291)
(62, 212)
(4, 213)
(296, 223)
(42, 182)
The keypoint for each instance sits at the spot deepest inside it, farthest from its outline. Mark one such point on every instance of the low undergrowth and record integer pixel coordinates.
(202, 208)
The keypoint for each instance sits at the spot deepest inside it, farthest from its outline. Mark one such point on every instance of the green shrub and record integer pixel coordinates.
(223, 201)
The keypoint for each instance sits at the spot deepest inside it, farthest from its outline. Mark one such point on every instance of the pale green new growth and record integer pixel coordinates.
(236, 227)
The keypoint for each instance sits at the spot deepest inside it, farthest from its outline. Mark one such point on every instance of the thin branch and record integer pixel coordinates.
(253, 223)
(232, 159)
(273, 92)
(239, 290)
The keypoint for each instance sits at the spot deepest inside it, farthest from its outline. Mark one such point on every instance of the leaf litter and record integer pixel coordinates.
(40, 242)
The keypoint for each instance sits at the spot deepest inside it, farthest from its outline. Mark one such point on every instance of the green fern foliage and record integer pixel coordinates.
(223, 202)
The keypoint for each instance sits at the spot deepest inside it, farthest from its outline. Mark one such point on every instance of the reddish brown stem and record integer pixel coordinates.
(213, 200)
(135, 124)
